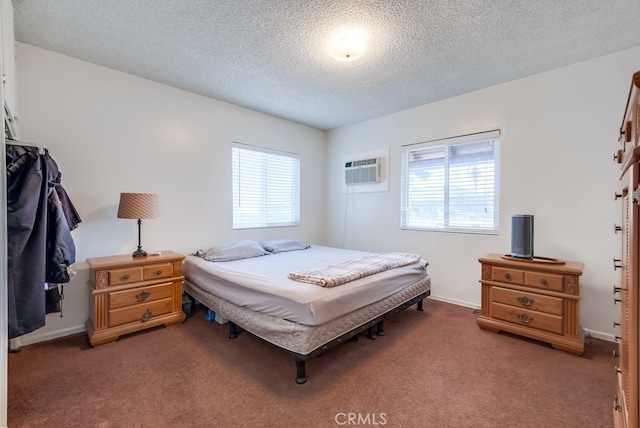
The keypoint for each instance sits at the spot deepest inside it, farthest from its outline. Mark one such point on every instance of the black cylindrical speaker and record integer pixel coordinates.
(522, 236)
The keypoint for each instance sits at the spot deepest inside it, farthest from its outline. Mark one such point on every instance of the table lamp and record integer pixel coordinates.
(138, 206)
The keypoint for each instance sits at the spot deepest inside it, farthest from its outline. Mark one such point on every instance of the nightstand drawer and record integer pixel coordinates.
(157, 271)
(511, 276)
(543, 280)
(125, 276)
(140, 313)
(118, 299)
(526, 317)
(533, 301)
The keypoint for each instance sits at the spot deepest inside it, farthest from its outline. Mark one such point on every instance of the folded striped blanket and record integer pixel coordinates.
(350, 270)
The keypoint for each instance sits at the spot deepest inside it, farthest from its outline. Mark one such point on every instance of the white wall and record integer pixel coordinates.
(559, 133)
(111, 132)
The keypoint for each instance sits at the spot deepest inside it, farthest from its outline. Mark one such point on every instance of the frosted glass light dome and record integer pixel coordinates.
(348, 43)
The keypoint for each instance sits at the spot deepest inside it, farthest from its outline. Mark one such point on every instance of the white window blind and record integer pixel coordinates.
(266, 187)
(452, 184)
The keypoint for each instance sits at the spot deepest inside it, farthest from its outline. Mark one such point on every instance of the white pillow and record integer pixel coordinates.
(235, 250)
(282, 245)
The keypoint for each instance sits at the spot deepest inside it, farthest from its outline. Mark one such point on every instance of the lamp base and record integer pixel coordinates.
(140, 252)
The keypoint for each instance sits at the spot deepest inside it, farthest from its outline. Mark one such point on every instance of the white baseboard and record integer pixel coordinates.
(455, 302)
(600, 335)
(31, 339)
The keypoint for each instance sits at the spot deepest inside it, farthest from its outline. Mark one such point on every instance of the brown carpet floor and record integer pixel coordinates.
(431, 369)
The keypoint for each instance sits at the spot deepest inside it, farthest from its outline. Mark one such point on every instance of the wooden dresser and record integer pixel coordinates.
(626, 295)
(130, 294)
(536, 300)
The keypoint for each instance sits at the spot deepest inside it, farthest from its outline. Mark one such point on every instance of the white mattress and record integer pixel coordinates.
(260, 284)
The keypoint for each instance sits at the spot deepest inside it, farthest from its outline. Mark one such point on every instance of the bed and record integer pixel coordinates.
(257, 294)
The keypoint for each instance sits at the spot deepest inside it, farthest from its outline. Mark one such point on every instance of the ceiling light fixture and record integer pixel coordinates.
(348, 43)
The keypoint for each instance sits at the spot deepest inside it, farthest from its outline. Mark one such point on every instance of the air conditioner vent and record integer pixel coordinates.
(364, 171)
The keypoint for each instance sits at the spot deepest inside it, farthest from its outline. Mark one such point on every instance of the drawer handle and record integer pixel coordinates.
(146, 315)
(126, 277)
(507, 276)
(543, 281)
(159, 272)
(617, 263)
(524, 301)
(142, 296)
(524, 318)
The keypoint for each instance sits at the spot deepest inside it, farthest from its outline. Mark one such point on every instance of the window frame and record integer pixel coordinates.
(242, 221)
(407, 219)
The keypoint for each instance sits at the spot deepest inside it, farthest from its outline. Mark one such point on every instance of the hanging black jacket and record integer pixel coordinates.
(61, 251)
(39, 242)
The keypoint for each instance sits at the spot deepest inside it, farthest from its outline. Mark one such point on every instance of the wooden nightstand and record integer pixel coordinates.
(536, 300)
(130, 294)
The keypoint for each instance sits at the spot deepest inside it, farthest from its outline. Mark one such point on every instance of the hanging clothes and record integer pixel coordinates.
(39, 243)
(70, 213)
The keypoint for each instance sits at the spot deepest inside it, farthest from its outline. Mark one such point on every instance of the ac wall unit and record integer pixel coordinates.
(365, 171)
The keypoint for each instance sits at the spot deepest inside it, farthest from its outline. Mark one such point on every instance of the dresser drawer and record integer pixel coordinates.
(119, 299)
(533, 301)
(543, 280)
(158, 271)
(140, 313)
(125, 276)
(512, 276)
(526, 317)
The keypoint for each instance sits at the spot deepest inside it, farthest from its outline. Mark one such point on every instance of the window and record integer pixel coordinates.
(266, 187)
(452, 185)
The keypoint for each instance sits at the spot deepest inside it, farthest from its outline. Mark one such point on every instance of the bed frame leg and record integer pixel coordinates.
(380, 328)
(233, 330)
(301, 376)
(420, 306)
(371, 334)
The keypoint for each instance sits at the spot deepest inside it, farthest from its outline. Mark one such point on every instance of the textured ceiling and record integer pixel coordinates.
(271, 55)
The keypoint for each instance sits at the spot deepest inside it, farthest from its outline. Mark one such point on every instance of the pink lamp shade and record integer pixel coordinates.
(138, 205)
